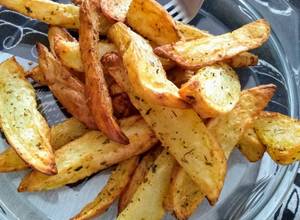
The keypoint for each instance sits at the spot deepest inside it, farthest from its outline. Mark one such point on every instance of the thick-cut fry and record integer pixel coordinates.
(66, 88)
(281, 135)
(145, 71)
(98, 99)
(37, 75)
(152, 21)
(147, 202)
(50, 12)
(182, 132)
(213, 91)
(250, 146)
(111, 191)
(138, 177)
(24, 127)
(186, 195)
(69, 52)
(198, 53)
(241, 60)
(60, 135)
(115, 10)
(91, 153)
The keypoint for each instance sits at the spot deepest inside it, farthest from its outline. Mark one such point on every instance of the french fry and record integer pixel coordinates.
(53, 13)
(116, 184)
(138, 177)
(250, 146)
(152, 21)
(67, 89)
(181, 132)
(147, 201)
(60, 135)
(212, 91)
(98, 99)
(115, 10)
(198, 53)
(24, 127)
(145, 71)
(90, 154)
(281, 135)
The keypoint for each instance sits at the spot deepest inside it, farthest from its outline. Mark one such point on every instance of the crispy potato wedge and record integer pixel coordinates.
(241, 60)
(37, 75)
(186, 195)
(24, 127)
(180, 76)
(250, 146)
(50, 12)
(66, 88)
(138, 177)
(189, 32)
(281, 135)
(213, 91)
(181, 132)
(98, 98)
(116, 184)
(147, 201)
(152, 21)
(145, 71)
(69, 52)
(91, 153)
(60, 135)
(115, 10)
(229, 128)
(198, 53)
(54, 33)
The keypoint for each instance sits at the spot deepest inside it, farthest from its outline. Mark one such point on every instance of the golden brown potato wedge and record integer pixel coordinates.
(60, 135)
(54, 33)
(186, 195)
(229, 128)
(116, 184)
(138, 177)
(67, 89)
(115, 10)
(24, 127)
(181, 132)
(281, 135)
(69, 52)
(147, 201)
(250, 146)
(212, 91)
(37, 75)
(50, 12)
(91, 153)
(198, 53)
(98, 98)
(145, 71)
(152, 21)
(241, 60)
(189, 32)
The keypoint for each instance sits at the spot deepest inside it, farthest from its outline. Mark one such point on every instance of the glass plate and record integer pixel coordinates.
(251, 191)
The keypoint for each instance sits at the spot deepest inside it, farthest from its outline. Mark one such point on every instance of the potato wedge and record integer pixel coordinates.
(202, 52)
(152, 21)
(281, 135)
(138, 177)
(98, 99)
(250, 146)
(147, 202)
(115, 10)
(122, 106)
(24, 127)
(53, 13)
(69, 52)
(181, 132)
(229, 128)
(145, 71)
(37, 75)
(116, 184)
(180, 76)
(213, 91)
(186, 195)
(60, 135)
(91, 153)
(192, 33)
(67, 89)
